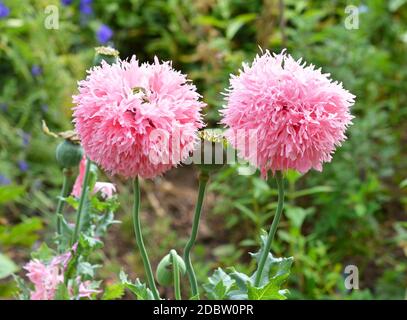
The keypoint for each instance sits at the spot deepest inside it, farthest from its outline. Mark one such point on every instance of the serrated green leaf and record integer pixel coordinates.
(241, 279)
(139, 289)
(219, 285)
(113, 291)
(86, 269)
(64, 239)
(43, 253)
(88, 243)
(274, 267)
(242, 287)
(270, 291)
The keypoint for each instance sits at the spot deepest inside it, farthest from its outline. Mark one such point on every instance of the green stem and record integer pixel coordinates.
(84, 195)
(175, 269)
(139, 239)
(203, 181)
(273, 229)
(61, 201)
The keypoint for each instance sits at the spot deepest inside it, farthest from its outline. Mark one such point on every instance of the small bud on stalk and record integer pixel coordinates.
(68, 154)
(108, 54)
(212, 150)
(164, 273)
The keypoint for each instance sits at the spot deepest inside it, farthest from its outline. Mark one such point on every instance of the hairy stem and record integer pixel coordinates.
(273, 229)
(139, 239)
(175, 270)
(61, 201)
(84, 195)
(203, 181)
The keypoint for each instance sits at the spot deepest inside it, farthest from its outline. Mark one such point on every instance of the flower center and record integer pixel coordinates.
(138, 90)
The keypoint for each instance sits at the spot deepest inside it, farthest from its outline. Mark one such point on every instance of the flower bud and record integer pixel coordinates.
(212, 150)
(108, 54)
(164, 273)
(68, 154)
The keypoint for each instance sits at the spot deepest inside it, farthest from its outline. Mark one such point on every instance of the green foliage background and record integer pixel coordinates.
(354, 212)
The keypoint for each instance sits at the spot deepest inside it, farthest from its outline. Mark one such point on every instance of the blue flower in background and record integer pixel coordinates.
(85, 6)
(4, 11)
(4, 180)
(104, 34)
(36, 70)
(66, 2)
(4, 107)
(26, 137)
(363, 8)
(23, 166)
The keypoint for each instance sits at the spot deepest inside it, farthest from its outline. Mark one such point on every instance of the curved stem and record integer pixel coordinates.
(84, 195)
(175, 270)
(203, 181)
(273, 229)
(61, 201)
(139, 239)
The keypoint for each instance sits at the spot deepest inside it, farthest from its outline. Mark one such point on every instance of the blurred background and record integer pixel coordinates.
(353, 213)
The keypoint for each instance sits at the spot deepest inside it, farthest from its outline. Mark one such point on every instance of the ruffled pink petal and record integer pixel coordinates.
(137, 119)
(282, 114)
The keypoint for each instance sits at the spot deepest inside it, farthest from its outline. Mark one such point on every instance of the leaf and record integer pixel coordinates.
(64, 239)
(274, 267)
(113, 291)
(394, 5)
(62, 292)
(237, 23)
(25, 233)
(246, 212)
(275, 273)
(105, 221)
(219, 285)
(23, 290)
(241, 281)
(43, 253)
(403, 183)
(270, 291)
(86, 269)
(310, 191)
(10, 193)
(7, 266)
(88, 243)
(297, 215)
(210, 21)
(139, 289)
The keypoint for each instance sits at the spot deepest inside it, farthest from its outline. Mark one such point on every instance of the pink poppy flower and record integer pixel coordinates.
(137, 119)
(282, 114)
(107, 189)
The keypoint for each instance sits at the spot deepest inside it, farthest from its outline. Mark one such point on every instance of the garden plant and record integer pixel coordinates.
(221, 150)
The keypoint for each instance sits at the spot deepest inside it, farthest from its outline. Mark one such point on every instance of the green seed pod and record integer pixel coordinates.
(212, 150)
(108, 54)
(164, 273)
(68, 154)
